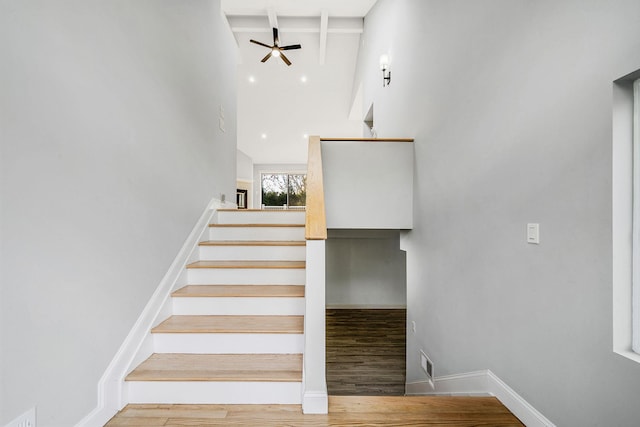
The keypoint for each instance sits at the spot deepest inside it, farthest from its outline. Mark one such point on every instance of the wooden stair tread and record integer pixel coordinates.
(260, 210)
(253, 243)
(243, 291)
(247, 264)
(232, 324)
(219, 367)
(253, 225)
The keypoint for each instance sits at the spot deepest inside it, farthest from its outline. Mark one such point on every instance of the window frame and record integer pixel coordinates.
(622, 227)
(288, 174)
(635, 291)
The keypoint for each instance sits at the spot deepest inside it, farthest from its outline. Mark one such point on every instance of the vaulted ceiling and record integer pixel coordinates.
(279, 105)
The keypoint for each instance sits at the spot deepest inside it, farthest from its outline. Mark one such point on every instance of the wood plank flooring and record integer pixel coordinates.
(366, 352)
(428, 411)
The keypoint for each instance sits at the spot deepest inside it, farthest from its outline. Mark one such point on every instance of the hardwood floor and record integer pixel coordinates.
(366, 352)
(429, 411)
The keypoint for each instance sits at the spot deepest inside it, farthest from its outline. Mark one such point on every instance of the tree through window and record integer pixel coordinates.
(285, 190)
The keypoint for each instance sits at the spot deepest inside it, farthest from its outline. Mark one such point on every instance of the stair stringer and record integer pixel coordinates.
(138, 345)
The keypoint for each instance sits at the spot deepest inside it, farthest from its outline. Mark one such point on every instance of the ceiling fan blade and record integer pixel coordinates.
(266, 57)
(285, 59)
(290, 47)
(260, 43)
(276, 40)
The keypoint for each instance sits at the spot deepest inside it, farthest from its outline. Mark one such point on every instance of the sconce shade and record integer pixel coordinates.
(384, 62)
(386, 73)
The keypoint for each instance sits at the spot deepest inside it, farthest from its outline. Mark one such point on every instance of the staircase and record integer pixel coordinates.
(236, 335)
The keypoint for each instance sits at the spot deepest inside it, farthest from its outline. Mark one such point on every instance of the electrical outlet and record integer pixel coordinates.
(28, 419)
(413, 326)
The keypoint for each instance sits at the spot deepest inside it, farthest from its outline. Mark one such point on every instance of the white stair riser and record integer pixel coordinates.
(282, 306)
(252, 253)
(263, 217)
(246, 276)
(228, 343)
(256, 233)
(213, 392)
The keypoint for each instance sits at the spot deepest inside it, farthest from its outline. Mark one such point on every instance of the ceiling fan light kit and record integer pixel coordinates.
(276, 50)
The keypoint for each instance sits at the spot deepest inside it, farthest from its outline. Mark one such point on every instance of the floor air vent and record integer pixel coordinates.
(427, 366)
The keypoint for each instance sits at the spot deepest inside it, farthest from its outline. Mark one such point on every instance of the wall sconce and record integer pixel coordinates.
(386, 73)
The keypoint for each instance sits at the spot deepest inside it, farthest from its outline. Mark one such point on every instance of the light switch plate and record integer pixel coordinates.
(533, 233)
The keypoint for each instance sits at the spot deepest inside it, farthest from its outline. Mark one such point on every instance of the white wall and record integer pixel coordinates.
(368, 184)
(510, 105)
(365, 268)
(244, 167)
(109, 156)
(244, 175)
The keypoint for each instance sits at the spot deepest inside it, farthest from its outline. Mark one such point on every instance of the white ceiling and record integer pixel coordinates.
(354, 8)
(276, 108)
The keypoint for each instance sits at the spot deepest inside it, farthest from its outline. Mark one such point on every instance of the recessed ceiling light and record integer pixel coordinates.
(252, 79)
(263, 136)
(303, 79)
(305, 136)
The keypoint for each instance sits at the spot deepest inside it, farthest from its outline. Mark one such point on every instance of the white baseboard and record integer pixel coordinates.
(482, 383)
(471, 383)
(111, 388)
(28, 419)
(515, 403)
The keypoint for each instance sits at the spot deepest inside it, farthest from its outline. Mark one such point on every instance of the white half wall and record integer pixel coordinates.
(368, 185)
(109, 155)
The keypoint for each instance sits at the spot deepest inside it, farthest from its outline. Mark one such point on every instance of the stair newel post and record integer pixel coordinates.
(315, 399)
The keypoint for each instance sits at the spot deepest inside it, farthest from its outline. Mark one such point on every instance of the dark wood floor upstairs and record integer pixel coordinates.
(366, 352)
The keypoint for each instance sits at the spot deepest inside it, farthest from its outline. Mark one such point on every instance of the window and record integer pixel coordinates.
(284, 191)
(625, 225)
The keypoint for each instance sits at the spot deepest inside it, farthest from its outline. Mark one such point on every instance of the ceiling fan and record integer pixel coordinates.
(275, 49)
